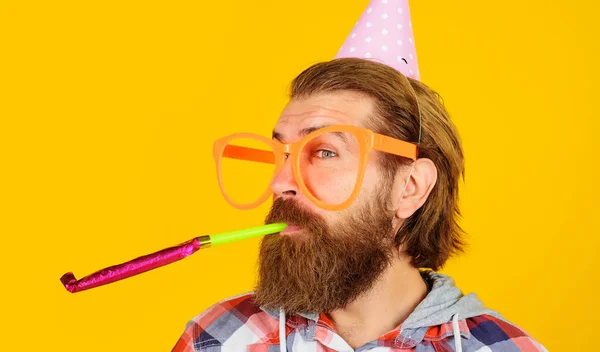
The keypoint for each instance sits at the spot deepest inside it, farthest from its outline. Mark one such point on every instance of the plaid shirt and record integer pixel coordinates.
(238, 324)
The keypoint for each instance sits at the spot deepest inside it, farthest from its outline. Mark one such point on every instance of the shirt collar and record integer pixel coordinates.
(405, 338)
(402, 338)
(290, 320)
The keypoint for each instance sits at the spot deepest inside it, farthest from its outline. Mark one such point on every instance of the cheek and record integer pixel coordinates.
(371, 180)
(333, 186)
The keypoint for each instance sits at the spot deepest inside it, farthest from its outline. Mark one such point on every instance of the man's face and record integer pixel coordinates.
(325, 259)
(340, 108)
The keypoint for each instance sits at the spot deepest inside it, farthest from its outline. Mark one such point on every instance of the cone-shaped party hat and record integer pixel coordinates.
(384, 33)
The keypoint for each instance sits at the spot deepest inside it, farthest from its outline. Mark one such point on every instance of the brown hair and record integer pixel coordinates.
(432, 234)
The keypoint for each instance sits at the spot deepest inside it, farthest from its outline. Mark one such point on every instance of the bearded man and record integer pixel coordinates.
(370, 221)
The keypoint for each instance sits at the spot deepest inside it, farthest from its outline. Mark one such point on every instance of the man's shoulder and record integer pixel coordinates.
(240, 307)
(226, 322)
(498, 333)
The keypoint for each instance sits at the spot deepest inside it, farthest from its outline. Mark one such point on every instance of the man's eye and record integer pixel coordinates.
(325, 154)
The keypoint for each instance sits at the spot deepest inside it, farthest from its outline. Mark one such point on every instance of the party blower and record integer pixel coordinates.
(163, 257)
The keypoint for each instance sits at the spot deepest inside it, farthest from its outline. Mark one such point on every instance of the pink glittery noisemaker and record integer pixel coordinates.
(162, 257)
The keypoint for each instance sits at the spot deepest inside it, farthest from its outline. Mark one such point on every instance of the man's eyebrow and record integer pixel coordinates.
(278, 136)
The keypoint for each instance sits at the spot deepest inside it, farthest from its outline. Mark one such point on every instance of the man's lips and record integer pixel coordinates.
(291, 229)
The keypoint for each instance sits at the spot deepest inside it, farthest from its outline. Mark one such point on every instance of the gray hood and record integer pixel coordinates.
(443, 302)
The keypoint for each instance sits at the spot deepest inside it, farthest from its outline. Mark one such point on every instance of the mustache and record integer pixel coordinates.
(290, 212)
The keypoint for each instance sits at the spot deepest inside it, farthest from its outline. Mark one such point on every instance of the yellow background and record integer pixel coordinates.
(108, 111)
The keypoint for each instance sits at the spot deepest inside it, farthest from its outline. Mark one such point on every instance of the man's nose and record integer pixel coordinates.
(284, 185)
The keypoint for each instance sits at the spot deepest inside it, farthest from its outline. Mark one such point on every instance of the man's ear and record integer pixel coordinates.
(415, 185)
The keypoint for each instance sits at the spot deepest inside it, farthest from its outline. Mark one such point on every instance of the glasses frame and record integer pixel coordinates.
(367, 140)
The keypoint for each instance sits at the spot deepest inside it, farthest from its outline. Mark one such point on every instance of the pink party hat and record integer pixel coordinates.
(384, 33)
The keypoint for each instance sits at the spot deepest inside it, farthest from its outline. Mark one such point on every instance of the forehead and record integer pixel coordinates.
(336, 108)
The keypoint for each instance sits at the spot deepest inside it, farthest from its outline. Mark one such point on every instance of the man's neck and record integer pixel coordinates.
(387, 304)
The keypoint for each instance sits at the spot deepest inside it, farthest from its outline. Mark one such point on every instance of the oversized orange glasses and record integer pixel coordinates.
(328, 164)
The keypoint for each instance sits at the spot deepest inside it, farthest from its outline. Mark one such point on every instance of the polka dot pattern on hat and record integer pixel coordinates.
(384, 33)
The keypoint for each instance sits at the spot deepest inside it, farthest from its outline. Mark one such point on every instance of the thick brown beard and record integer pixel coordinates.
(323, 269)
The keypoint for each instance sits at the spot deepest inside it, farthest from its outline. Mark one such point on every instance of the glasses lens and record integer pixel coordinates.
(247, 166)
(329, 165)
